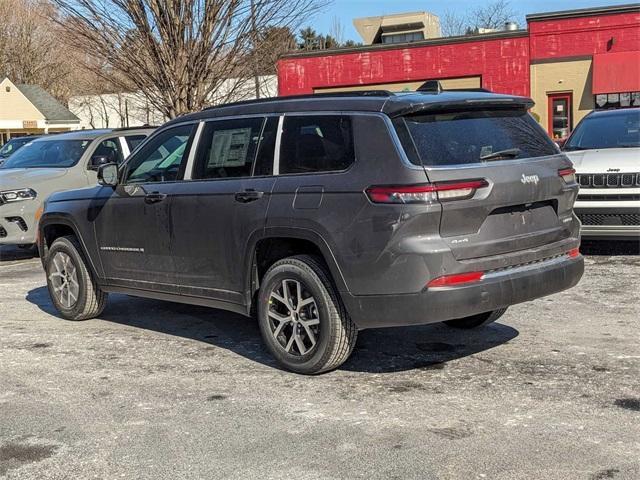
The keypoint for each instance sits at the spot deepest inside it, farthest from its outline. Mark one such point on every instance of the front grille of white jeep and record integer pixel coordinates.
(609, 218)
(608, 180)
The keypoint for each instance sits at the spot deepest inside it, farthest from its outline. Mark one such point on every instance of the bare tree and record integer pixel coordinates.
(28, 50)
(180, 54)
(492, 15)
(337, 30)
(452, 24)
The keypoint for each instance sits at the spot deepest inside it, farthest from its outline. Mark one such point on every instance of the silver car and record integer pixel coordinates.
(52, 164)
(605, 150)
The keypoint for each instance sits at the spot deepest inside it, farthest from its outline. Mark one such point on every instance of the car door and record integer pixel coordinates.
(215, 214)
(133, 226)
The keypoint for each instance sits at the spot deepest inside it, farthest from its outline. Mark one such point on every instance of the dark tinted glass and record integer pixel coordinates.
(317, 143)
(613, 130)
(134, 140)
(465, 137)
(161, 158)
(228, 148)
(264, 159)
(109, 148)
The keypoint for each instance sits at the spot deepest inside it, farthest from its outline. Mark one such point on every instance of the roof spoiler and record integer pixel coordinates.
(479, 103)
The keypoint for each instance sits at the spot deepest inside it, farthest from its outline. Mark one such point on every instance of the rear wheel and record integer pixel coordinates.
(302, 320)
(74, 292)
(475, 321)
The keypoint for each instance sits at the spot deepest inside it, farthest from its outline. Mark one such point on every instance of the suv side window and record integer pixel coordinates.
(228, 148)
(160, 160)
(316, 143)
(110, 148)
(134, 140)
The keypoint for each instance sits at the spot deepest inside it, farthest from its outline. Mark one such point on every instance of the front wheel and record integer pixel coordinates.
(475, 321)
(73, 291)
(302, 320)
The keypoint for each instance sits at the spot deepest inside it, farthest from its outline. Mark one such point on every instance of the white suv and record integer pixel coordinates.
(605, 150)
(55, 163)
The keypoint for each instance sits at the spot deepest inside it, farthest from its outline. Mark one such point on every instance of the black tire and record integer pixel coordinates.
(336, 335)
(90, 300)
(475, 321)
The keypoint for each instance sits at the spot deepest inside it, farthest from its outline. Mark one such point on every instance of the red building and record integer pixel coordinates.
(569, 62)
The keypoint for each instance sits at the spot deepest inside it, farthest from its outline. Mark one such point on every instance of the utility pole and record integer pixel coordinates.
(254, 35)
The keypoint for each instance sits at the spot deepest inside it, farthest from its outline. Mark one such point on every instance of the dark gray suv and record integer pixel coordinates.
(323, 215)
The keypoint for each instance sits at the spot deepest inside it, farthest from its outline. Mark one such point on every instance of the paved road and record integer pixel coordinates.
(157, 390)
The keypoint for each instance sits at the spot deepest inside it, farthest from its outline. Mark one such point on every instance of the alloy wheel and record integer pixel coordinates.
(294, 319)
(64, 280)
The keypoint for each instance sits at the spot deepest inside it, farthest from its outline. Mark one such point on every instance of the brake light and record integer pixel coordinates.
(574, 252)
(425, 193)
(568, 175)
(455, 279)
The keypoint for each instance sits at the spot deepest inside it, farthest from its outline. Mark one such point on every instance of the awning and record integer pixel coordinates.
(616, 72)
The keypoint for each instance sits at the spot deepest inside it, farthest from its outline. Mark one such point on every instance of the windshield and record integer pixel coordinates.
(12, 145)
(616, 130)
(463, 137)
(48, 154)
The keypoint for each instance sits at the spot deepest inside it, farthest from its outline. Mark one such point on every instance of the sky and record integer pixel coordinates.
(347, 10)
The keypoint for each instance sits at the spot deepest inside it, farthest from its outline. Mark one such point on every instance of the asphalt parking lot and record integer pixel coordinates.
(156, 390)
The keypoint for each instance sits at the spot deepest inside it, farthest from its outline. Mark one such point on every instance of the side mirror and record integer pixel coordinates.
(97, 161)
(108, 175)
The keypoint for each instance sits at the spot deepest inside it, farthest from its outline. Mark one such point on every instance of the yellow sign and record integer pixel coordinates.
(29, 124)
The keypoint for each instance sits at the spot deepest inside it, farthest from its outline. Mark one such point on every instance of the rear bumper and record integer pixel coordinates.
(496, 290)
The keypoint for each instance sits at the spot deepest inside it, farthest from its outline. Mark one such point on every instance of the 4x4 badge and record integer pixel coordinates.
(530, 179)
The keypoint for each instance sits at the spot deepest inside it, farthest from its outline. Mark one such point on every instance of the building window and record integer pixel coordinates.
(560, 117)
(617, 100)
(403, 37)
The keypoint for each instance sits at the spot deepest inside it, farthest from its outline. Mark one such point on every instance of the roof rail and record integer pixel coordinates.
(359, 93)
(137, 127)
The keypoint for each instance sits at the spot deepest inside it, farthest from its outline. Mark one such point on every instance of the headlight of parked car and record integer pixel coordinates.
(16, 195)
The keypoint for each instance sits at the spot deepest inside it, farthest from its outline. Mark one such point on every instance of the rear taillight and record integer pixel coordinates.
(568, 175)
(455, 279)
(425, 193)
(574, 252)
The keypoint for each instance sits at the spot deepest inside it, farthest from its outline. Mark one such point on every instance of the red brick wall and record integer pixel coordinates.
(503, 65)
(573, 37)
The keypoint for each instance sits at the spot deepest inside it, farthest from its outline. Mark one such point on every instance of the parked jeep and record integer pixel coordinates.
(54, 163)
(323, 215)
(605, 150)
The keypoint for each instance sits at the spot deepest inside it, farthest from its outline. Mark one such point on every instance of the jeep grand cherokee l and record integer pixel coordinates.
(327, 214)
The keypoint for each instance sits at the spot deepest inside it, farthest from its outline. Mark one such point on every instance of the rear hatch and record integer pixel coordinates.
(526, 191)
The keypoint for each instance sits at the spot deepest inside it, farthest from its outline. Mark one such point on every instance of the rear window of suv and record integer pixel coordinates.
(466, 137)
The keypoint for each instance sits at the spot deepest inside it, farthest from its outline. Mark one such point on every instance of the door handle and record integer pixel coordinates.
(154, 197)
(248, 196)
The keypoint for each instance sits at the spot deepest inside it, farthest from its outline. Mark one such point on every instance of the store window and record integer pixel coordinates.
(617, 100)
(560, 117)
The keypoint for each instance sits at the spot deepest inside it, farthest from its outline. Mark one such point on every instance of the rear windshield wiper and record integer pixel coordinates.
(508, 153)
